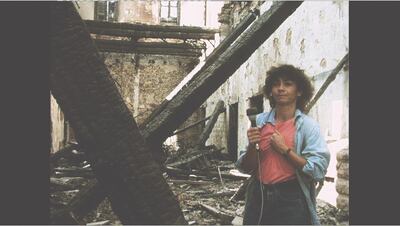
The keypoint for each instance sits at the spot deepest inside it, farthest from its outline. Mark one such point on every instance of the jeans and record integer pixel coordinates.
(283, 204)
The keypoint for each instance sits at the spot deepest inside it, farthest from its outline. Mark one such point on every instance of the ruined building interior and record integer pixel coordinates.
(176, 79)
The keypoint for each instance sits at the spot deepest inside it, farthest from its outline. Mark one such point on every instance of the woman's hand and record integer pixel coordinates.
(278, 142)
(254, 135)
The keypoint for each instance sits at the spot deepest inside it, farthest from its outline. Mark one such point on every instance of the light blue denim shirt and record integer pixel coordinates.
(310, 144)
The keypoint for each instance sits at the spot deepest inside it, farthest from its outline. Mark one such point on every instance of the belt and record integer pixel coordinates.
(287, 185)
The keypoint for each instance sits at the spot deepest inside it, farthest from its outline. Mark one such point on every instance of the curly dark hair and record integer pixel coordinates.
(289, 72)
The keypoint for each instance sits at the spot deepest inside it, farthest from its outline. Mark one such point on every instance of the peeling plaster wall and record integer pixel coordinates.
(314, 38)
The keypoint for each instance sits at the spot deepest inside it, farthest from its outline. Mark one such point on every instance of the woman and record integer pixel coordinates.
(292, 154)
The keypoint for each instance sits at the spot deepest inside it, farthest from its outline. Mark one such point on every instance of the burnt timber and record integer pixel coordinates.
(107, 131)
(124, 46)
(149, 31)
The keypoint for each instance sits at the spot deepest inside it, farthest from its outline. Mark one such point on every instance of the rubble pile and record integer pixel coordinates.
(206, 196)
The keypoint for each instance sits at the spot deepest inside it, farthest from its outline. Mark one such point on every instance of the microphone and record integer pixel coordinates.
(251, 114)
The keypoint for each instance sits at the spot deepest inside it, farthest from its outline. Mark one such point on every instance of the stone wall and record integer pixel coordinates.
(122, 69)
(158, 76)
(342, 185)
(145, 80)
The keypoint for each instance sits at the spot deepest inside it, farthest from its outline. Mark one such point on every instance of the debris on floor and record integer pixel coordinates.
(206, 195)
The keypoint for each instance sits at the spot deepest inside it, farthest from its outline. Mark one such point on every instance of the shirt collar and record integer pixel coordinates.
(270, 118)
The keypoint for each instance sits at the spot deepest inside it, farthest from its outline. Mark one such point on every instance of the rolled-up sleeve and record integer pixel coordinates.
(316, 154)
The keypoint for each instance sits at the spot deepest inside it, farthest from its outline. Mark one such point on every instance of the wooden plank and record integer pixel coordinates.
(218, 194)
(219, 108)
(151, 34)
(192, 125)
(124, 46)
(192, 182)
(227, 218)
(147, 27)
(191, 156)
(329, 80)
(104, 126)
(231, 37)
(128, 43)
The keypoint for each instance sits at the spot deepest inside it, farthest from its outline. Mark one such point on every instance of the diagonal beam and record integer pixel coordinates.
(228, 40)
(148, 31)
(208, 81)
(104, 126)
(329, 80)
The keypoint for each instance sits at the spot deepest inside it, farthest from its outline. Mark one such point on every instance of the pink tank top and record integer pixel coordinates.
(275, 167)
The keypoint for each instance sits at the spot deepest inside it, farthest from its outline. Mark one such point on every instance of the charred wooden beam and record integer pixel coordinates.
(232, 36)
(176, 171)
(154, 113)
(106, 222)
(151, 34)
(190, 97)
(192, 182)
(329, 80)
(226, 42)
(218, 194)
(192, 125)
(153, 51)
(84, 202)
(147, 27)
(157, 45)
(81, 205)
(124, 46)
(193, 154)
(225, 217)
(104, 126)
(240, 193)
(60, 185)
(148, 31)
(86, 173)
(219, 108)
